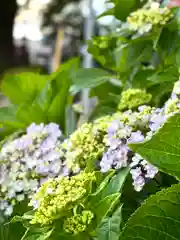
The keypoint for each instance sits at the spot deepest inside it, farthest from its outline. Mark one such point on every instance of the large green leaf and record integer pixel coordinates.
(124, 7)
(61, 98)
(163, 149)
(8, 117)
(42, 236)
(112, 184)
(132, 54)
(44, 97)
(89, 78)
(31, 113)
(68, 68)
(116, 183)
(169, 74)
(157, 219)
(57, 110)
(105, 206)
(103, 183)
(23, 87)
(110, 227)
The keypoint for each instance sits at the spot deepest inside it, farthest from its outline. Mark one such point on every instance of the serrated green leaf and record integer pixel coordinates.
(68, 68)
(57, 110)
(104, 183)
(8, 117)
(167, 75)
(38, 236)
(124, 7)
(44, 97)
(105, 206)
(116, 184)
(110, 227)
(31, 113)
(163, 149)
(89, 78)
(130, 55)
(157, 219)
(23, 86)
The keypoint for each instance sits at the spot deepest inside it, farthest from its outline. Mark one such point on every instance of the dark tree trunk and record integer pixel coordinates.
(7, 14)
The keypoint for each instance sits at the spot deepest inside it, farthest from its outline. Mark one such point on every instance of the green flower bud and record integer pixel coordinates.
(152, 17)
(171, 106)
(78, 223)
(86, 144)
(133, 98)
(57, 196)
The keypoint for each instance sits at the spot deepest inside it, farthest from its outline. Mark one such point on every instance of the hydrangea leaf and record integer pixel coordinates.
(163, 149)
(43, 236)
(89, 78)
(45, 96)
(158, 218)
(112, 184)
(110, 226)
(66, 70)
(124, 7)
(8, 117)
(105, 206)
(57, 109)
(23, 87)
(31, 113)
(116, 183)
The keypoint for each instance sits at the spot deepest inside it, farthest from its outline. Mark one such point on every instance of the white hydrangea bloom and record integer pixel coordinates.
(27, 161)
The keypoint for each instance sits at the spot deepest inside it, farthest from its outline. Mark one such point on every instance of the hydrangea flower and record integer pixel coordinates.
(146, 19)
(86, 144)
(58, 196)
(131, 127)
(132, 98)
(27, 161)
(141, 172)
(173, 104)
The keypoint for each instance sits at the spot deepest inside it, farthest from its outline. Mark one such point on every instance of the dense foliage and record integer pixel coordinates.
(115, 176)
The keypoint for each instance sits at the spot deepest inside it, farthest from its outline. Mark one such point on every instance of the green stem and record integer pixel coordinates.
(25, 234)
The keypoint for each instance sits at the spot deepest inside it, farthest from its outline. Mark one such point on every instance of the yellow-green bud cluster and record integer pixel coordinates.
(57, 196)
(173, 104)
(133, 98)
(101, 124)
(104, 42)
(146, 19)
(78, 223)
(86, 144)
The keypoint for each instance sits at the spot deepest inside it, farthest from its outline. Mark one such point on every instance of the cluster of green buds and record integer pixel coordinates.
(133, 98)
(58, 196)
(144, 20)
(173, 104)
(78, 223)
(85, 145)
(104, 42)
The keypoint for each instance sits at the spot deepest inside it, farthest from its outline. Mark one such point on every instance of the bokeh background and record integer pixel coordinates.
(44, 33)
